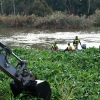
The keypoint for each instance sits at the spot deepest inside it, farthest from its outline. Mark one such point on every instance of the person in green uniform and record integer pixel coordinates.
(76, 42)
(54, 47)
(69, 48)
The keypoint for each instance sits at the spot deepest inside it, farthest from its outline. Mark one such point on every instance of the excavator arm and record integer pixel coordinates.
(23, 79)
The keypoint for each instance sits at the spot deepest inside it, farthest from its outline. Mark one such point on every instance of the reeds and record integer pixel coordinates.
(58, 20)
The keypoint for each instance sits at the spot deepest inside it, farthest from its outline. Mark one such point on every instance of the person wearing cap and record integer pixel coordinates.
(69, 48)
(54, 46)
(76, 42)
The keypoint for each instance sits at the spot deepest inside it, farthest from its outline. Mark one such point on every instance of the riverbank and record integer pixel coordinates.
(57, 20)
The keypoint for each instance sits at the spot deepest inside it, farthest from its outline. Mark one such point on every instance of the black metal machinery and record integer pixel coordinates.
(23, 79)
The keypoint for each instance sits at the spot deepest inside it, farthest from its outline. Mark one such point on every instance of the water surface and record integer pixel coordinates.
(42, 39)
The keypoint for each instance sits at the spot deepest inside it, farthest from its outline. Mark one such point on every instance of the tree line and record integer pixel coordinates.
(45, 7)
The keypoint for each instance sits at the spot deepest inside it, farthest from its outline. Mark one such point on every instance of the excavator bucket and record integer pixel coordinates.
(38, 89)
(43, 90)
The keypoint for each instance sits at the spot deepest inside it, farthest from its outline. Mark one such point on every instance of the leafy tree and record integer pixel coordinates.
(20, 7)
(57, 5)
(7, 6)
(44, 7)
(1, 7)
(40, 8)
(97, 4)
(77, 7)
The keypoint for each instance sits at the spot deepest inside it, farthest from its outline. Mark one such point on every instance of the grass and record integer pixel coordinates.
(71, 75)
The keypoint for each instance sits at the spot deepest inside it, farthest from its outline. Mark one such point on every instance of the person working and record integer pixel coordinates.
(54, 47)
(76, 42)
(69, 48)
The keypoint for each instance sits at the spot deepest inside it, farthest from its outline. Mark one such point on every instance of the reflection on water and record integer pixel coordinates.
(42, 39)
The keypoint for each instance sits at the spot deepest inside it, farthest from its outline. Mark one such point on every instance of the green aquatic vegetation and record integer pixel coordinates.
(71, 75)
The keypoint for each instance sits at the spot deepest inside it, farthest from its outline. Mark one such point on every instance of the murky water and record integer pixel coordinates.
(42, 39)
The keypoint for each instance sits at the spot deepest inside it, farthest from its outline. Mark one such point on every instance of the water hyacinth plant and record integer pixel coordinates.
(71, 75)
